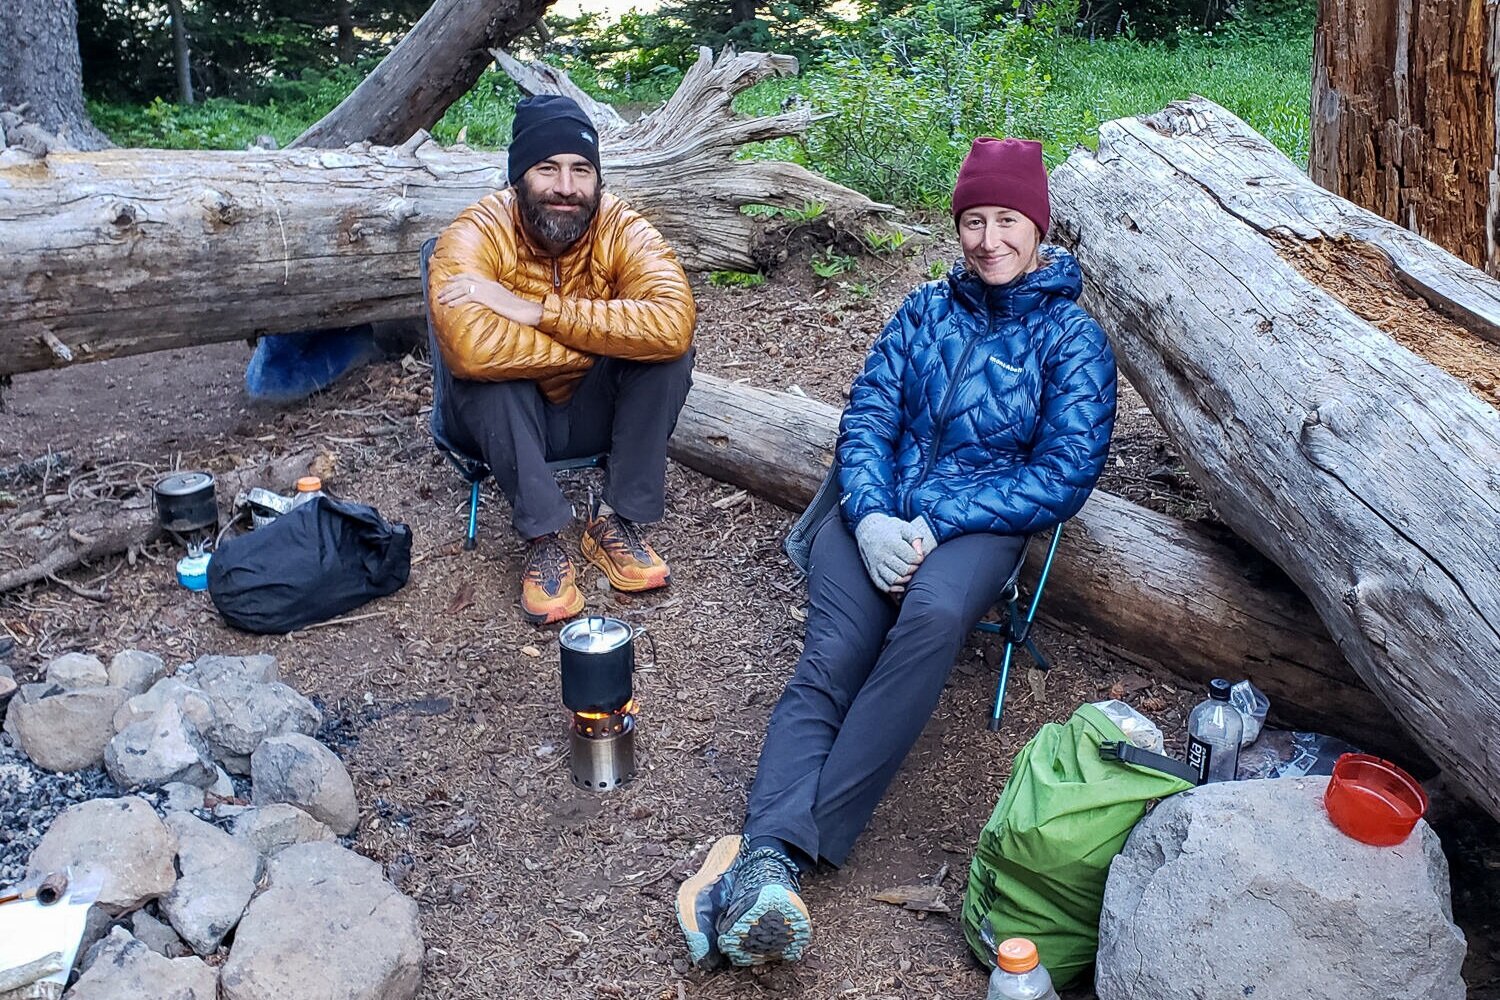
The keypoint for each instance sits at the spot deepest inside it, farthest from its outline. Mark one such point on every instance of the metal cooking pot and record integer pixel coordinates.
(185, 502)
(598, 661)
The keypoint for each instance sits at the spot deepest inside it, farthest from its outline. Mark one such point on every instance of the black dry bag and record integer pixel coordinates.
(315, 562)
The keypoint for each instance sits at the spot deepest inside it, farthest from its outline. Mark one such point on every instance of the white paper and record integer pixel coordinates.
(30, 931)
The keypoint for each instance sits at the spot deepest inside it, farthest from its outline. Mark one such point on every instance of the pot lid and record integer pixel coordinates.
(595, 634)
(181, 484)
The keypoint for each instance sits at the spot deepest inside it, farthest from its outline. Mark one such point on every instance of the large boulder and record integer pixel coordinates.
(327, 927)
(299, 770)
(1245, 889)
(123, 968)
(76, 671)
(163, 749)
(69, 730)
(122, 840)
(136, 671)
(218, 874)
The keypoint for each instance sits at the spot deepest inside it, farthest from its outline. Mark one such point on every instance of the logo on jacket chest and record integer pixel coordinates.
(1002, 363)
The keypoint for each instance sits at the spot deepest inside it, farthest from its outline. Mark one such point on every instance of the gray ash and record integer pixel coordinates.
(30, 799)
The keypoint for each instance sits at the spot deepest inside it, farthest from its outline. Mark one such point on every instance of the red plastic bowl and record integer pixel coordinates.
(1373, 800)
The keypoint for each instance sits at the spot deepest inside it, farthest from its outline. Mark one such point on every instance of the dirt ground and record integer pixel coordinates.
(445, 703)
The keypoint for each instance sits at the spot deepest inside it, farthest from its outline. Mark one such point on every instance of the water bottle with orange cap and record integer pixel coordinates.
(1019, 974)
(308, 487)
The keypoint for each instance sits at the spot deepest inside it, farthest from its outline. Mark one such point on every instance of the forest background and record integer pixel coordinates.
(910, 83)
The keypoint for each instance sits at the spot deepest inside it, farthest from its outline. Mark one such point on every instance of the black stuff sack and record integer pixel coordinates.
(313, 563)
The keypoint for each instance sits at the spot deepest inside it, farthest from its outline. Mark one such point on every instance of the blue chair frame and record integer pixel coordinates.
(472, 468)
(1014, 630)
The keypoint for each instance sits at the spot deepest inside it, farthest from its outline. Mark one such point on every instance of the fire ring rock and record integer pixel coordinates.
(76, 671)
(300, 770)
(136, 671)
(125, 967)
(218, 879)
(1246, 889)
(122, 839)
(327, 927)
(163, 749)
(66, 731)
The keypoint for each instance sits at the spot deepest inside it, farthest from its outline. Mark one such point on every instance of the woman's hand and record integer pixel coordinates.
(887, 553)
(923, 541)
(472, 289)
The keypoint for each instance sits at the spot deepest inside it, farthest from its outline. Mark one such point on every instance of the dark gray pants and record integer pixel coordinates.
(626, 409)
(870, 675)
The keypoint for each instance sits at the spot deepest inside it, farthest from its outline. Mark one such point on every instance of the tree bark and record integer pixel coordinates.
(106, 254)
(1404, 116)
(40, 68)
(181, 53)
(1157, 591)
(438, 61)
(1287, 342)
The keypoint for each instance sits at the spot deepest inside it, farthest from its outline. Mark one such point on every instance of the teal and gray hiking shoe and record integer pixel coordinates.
(744, 906)
(763, 918)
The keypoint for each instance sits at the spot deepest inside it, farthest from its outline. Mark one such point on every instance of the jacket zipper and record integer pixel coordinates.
(556, 278)
(937, 437)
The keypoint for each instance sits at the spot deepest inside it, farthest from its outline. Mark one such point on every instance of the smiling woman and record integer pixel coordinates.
(983, 415)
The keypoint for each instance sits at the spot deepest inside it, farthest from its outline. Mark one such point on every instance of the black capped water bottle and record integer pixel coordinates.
(1214, 730)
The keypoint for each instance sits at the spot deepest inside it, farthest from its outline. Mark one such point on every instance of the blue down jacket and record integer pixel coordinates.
(981, 408)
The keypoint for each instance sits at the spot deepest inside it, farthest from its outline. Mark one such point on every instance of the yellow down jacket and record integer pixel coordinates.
(618, 292)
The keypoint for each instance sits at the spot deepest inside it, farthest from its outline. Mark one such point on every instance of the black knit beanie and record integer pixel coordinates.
(546, 125)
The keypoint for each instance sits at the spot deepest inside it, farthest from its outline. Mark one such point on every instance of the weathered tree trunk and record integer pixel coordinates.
(1268, 325)
(1404, 116)
(438, 61)
(1155, 590)
(40, 68)
(129, 251)
(181, 54)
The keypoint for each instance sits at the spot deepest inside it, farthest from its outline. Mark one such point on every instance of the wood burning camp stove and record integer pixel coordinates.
(598, 664)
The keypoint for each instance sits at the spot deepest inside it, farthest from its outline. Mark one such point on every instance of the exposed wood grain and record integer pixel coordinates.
(1368, 474)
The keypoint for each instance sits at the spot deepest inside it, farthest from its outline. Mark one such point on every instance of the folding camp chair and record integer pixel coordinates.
(1014, 630)
(472, 468)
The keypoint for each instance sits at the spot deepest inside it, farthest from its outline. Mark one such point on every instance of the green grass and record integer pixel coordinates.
(1266, 82)
(1264, 79)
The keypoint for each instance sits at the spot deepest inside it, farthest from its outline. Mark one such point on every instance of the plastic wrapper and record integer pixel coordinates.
(1253, 707)
(1280, 753)
(1138, 729)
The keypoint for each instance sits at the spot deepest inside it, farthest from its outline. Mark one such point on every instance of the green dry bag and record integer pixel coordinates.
(1044, 855)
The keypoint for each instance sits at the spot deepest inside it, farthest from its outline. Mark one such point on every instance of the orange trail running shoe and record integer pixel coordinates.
(549, 583)
(617, 547)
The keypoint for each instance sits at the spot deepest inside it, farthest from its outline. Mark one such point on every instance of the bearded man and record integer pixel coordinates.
(566, 325)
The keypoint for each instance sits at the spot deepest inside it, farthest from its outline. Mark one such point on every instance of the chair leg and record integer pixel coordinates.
(469, 539)
(997, 711)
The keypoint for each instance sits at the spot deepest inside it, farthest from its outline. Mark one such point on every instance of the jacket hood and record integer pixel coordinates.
(1058, 276)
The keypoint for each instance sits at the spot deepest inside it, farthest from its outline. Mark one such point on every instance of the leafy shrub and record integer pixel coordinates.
(908, 108)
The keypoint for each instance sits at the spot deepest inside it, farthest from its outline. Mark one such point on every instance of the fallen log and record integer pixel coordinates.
(55, 542)
(1155, 590)
(128, 251)
(1322, 373)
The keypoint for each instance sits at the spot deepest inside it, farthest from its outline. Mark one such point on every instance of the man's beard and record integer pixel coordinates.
(556, 229)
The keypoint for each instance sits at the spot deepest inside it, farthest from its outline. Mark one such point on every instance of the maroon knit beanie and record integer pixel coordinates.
(1008, 173)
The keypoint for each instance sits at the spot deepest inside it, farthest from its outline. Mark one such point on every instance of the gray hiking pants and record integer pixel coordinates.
(869, 677)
